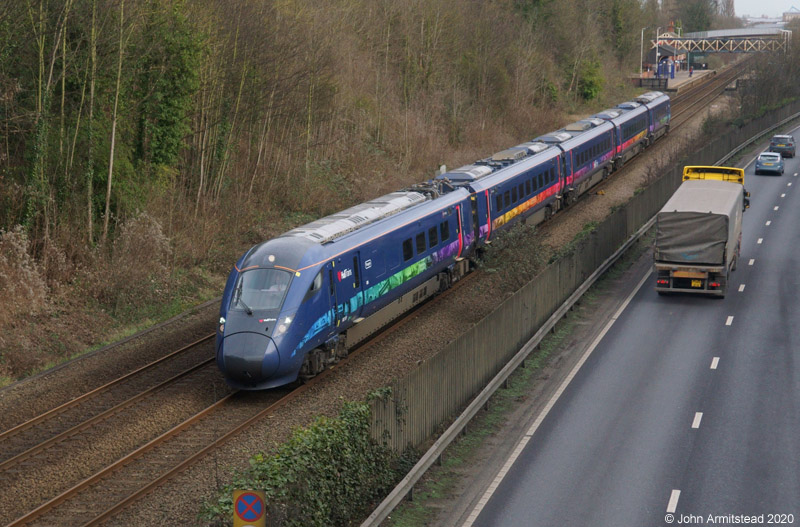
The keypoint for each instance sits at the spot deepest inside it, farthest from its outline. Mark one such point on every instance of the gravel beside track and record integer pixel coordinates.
(424, 334)
(26, 399)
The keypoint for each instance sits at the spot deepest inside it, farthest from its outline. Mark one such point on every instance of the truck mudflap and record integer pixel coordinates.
(709, 281)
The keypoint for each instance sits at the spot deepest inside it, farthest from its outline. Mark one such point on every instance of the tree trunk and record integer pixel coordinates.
(90, 160)
(114, 125)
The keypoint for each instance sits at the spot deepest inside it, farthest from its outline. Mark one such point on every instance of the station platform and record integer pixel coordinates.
(681, 81)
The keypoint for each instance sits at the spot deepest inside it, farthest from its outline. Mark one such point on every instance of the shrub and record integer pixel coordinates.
(138, 271)
(24, 288)
(325, 475)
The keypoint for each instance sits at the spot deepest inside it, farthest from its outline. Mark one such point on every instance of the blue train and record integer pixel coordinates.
(294, 305)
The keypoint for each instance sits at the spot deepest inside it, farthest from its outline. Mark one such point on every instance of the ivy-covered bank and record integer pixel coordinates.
(325, 475)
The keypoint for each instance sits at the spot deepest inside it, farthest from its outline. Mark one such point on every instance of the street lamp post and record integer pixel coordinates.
(641, 51)
(658, 32)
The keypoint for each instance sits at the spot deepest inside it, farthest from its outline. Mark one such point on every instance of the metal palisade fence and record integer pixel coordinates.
(432, 394)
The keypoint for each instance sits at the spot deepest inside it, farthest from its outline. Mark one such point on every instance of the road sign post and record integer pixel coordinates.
(249, 509)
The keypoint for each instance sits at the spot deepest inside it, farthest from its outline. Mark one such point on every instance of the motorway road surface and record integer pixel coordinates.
(688, 406)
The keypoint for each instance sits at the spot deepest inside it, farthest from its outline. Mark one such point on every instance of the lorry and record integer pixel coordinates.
(699, 231)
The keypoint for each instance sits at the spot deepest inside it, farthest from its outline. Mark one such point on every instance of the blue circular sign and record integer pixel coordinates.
(249, 507)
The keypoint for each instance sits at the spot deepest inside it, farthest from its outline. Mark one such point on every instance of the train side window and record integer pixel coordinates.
(507, 199)
(528, 189)
(420, 243)
(408, 250)
(514, 195)
(316, 285)
(356, 274)
(444, 230)
(541, 180)
(498, 204)
(521, 191)
(433, 240)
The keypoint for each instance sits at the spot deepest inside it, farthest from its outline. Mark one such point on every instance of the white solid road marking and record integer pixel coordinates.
(760, 240)
(741, 288)
(487, 495)
(697, 417)
(776, 208)
(729, 321)
(768, 223)
(752, 261)
(673, 500)
(714, 363)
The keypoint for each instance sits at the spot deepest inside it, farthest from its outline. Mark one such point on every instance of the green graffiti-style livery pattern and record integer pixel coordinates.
(376, 291)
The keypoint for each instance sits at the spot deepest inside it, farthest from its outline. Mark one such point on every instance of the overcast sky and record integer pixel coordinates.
(771, 8)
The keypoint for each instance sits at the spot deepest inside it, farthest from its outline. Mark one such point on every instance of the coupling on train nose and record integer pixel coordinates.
(250, 357)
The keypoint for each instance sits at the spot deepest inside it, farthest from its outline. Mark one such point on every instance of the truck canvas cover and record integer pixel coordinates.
(700, 223)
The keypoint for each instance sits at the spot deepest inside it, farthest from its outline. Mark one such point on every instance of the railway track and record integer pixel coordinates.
(687, 103)
(112, 486)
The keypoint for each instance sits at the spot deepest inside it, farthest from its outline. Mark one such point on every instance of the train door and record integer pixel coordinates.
(460, 230)
(476, 223)
(347, 287)
(330, 269)
(357, 298)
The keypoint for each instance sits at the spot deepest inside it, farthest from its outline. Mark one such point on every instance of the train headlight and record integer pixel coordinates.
(283, 325)
(222, 324)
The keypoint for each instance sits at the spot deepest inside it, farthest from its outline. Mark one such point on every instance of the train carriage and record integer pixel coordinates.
(587, 148)
(659, 113)
(290, 303)
(512, 185)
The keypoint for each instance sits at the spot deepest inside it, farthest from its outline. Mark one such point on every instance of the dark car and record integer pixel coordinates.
(769, 162)
(782, 144)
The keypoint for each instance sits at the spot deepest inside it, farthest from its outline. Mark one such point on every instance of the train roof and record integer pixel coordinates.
(651, 97)
(497, 162)
(577, 132)
(499, 176)
(327, 229)
(622, 112)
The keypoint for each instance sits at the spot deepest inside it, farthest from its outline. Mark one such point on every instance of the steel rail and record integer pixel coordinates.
(77, 400)
(22, 456)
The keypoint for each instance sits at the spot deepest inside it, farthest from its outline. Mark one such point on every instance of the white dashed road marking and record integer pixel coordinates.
(546, 410)
(697, 417)
(776, 208)
(714, 363)
(768, 223)
(741, 288)
(729, 321)
(783, 195)
(751, 262)
(760, 240)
